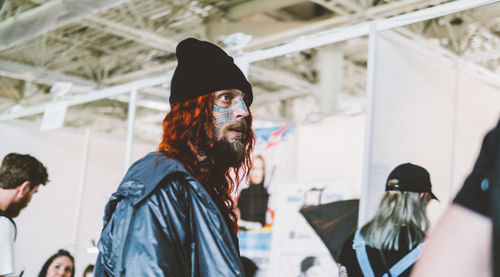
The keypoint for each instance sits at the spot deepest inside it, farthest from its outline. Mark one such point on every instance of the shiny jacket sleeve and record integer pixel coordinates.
(177, 232)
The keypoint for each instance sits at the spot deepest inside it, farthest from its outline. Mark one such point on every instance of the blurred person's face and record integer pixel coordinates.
(24, 197)
(257, 172)
(60, 267)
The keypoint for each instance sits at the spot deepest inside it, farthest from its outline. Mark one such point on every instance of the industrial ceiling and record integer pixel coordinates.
(96, 44)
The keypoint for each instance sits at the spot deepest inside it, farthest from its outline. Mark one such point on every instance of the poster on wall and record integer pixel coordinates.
(272, 163)
(297, 248)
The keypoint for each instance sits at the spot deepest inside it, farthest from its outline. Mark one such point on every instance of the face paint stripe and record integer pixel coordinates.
(223, 116)
(242, 104)
(219, 116)
(218, 122)
(218, 108)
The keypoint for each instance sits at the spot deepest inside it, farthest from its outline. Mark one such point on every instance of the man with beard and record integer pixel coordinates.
(173, 214)
(20, 177)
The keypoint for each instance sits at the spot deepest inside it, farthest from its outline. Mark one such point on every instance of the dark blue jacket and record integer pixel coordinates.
(162, 222)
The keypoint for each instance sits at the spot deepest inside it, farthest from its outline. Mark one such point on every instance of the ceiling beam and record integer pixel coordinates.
(43, 76)
(140, 74)
(281, 95)
(332, 6)
(351, 5)
(280, 78)
(394, 8)
(216, 29)
(257, 6)
(92, 96)
(453, 37)
(138, 35)
(344, 33)
(47, 17)
(386, 10)
(483, 56)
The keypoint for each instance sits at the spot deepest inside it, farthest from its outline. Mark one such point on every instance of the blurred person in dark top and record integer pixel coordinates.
(252, 201)
(397, 229)
(463, 241)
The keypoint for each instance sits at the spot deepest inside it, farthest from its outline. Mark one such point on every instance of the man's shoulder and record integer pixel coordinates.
(153, 170)
(6, 226)
(4, 222)
(153, 164)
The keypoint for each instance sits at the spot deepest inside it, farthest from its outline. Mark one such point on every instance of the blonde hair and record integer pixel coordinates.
(396, 210)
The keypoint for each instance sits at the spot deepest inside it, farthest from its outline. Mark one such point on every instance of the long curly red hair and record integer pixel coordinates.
(192, 121)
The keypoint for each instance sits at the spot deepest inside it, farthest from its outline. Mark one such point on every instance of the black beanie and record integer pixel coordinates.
(203, 68)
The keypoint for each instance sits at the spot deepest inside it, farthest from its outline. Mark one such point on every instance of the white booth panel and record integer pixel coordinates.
(413, 108)
(478, 111)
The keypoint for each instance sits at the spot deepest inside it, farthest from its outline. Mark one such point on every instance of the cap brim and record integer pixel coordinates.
(434, 196)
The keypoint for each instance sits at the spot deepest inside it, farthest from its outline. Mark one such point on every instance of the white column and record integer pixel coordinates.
(370, 86)
(79, 196)
(330, 68)
(130, 126)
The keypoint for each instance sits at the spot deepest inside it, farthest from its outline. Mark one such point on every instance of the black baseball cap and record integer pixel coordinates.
(409, 177)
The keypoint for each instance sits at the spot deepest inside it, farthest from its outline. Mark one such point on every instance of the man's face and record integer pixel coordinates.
(230, 112)
(21, 202)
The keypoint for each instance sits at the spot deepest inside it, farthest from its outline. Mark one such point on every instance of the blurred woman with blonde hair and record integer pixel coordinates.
(389, 244)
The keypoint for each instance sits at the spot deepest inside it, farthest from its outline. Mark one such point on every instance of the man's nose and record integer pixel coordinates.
(240, 110)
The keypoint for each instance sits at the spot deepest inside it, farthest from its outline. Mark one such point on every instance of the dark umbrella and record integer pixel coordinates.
(333, 222)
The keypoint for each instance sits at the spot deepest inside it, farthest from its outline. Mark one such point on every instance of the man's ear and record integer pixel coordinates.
(24, 188)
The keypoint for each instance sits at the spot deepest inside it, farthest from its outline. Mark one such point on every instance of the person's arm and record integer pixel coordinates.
(459, 245)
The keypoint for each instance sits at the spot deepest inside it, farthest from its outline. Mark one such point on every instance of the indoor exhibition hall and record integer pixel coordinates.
(267, 138)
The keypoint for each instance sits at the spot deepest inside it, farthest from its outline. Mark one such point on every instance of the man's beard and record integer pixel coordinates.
(15, 207)
(230, 154)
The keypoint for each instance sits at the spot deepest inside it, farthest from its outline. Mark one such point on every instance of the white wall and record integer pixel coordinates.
(330, 153)
(478, 111)
(430, 110)
(48, 223)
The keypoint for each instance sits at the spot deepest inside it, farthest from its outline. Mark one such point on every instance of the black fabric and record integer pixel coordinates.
(409, 177)
(4, 214)
(252, 203)
(204, 68)
(387, 269)
(475, 193)
(162, 222)
(333, 222)
(495, 205)
(348, 258)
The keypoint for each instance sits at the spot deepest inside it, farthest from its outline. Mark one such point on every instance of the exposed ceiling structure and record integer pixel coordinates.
(95, 44)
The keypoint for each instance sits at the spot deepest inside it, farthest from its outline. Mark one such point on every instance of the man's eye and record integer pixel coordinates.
(225, 97)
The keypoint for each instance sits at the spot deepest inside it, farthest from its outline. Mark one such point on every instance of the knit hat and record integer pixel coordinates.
(203, 68)
(409, 177)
